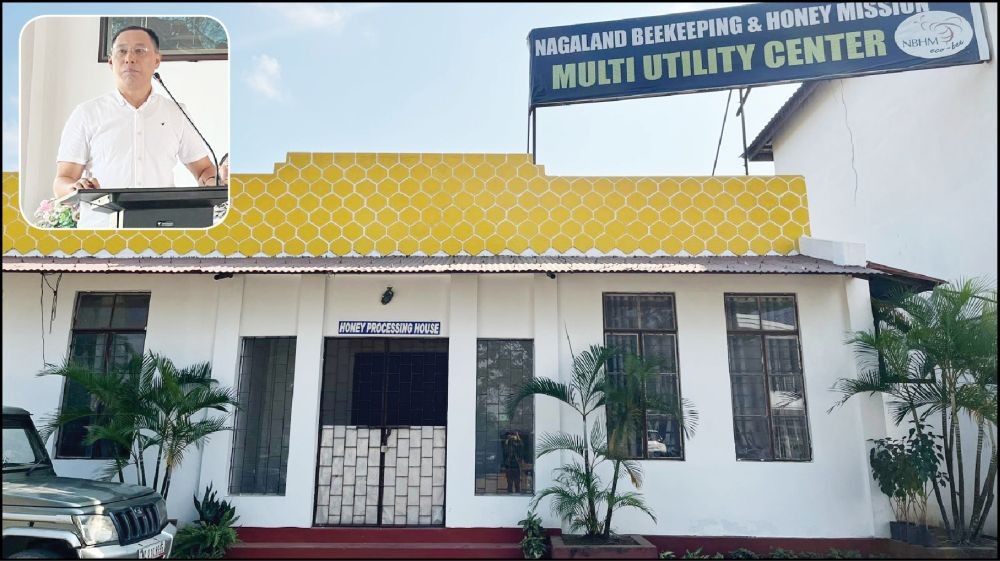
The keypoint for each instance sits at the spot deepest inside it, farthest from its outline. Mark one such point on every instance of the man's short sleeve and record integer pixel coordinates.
(192, 147)
(74, 146)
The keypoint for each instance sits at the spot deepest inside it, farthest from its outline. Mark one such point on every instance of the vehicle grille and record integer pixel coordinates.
(136, 523)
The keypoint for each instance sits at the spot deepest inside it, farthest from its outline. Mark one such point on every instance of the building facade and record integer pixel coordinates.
(374, 311)
(893, 160)
(905, 164)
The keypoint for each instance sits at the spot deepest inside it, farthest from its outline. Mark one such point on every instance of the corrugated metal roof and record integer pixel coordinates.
(777, 264)
(893, 280)
(762, 148)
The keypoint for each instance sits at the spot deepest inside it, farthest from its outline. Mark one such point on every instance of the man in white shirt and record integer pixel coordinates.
(131, 137)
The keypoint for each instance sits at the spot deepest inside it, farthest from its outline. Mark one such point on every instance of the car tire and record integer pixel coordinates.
(37, 553)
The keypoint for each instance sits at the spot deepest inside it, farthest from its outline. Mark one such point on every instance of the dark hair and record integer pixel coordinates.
(150, 32)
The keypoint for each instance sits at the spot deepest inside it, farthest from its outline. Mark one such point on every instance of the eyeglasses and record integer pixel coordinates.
(137, 52)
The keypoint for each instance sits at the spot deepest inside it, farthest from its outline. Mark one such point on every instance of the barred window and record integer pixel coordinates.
(109, 329)
(260, 448)
(765, 368)
(505, 444)
(646, 325)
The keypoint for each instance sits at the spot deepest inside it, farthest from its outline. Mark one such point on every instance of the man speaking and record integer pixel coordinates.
(130, 137)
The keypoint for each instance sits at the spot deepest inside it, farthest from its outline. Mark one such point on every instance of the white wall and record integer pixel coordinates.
(59, 70)
(923, 145)
(709, 493)
(297, 304)
(417, 298)
(494, 307)
(180, 308)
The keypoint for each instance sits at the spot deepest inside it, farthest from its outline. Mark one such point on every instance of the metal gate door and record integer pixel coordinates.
(382, 432)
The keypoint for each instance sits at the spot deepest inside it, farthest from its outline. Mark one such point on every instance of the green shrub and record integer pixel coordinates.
(779, 553)
(697, 554)
(211, 510)
(667, 555)
(533, 544)
(211, 536)
(743, 553)
(204, 541)
(843, 554)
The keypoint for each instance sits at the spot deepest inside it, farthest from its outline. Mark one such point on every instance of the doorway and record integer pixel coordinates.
(383, 431)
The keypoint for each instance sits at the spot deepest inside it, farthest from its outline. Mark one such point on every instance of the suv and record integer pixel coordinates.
(51, 517)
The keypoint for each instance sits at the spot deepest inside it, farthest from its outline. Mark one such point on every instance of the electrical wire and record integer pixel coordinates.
(719, 146)
(41, 305)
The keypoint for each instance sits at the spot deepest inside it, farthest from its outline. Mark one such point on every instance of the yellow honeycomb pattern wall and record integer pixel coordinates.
(317, 204)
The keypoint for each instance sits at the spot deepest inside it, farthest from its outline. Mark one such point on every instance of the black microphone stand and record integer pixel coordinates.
(214, 159)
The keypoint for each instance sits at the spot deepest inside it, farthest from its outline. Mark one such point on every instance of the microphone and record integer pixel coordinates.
(214, 159)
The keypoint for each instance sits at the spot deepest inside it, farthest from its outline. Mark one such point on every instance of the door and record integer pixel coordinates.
(382, 432)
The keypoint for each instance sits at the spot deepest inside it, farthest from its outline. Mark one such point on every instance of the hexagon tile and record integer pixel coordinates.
(318, 205)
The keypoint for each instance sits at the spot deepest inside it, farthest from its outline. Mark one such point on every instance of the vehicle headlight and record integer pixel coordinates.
(161, 512)
(96, 528)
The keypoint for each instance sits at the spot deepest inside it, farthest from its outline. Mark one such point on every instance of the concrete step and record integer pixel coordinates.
(379, 535)
(375, 550)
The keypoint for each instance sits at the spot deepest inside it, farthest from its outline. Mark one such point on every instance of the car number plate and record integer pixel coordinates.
(155, 551)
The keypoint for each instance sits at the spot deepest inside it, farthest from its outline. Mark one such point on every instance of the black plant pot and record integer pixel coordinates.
(897, 530)
(920, 535)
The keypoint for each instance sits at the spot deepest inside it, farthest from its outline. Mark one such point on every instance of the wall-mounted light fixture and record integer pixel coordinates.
(550, 274)
(220, 276)
(387, 295)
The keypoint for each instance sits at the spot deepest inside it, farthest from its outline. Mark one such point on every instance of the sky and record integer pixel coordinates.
(428, 78)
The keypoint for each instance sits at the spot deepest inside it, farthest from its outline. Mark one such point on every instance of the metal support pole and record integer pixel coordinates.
(534, 135)
(527, 142)
(743, 125)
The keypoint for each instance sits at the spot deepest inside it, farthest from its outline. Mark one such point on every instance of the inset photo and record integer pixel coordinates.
(124, 122)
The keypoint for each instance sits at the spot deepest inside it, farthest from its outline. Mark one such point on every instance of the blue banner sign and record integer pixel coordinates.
(389, 328)
(749, 45)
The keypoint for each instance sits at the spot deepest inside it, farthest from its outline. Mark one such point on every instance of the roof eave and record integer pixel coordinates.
(762, 147)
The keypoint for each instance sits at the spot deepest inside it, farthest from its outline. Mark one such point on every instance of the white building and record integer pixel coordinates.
(708, 274)
(903, 163)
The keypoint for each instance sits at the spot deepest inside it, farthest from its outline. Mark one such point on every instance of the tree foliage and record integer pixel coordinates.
(934, 358)
(579, 493)
(148, 403)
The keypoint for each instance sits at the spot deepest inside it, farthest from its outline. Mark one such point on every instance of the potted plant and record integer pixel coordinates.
(579, 492)
(903, 469)
(54, 214)
(533, 544)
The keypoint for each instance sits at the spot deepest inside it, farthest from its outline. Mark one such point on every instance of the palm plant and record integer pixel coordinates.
(114, 405)
(579, 491)
(936, 355)
(176, 397)
(147, 403)
(627, 400)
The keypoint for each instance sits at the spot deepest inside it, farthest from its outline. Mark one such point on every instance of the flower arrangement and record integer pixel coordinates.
(53, 214)
(219, 212)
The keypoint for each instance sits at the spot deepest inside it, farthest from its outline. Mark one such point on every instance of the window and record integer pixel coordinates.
(108, 330)
(188, 38)
(646, 325)
(21, 445)
(765, 368)
(505, 444)
(260, 447)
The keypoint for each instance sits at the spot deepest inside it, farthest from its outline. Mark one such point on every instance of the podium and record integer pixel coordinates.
(156, 207)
